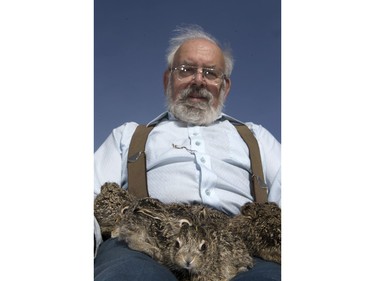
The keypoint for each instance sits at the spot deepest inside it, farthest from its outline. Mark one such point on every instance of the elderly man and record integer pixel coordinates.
(194, 154)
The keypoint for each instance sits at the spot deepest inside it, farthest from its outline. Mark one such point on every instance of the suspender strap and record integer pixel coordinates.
(137, 181)
(259, 190)
(137, 175)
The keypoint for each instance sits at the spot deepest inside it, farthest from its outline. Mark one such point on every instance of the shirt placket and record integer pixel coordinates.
(207, 178)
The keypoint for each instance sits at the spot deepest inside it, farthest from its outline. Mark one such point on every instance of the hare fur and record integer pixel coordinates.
(196, 242)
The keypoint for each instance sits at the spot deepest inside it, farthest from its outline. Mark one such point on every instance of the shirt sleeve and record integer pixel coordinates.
(111, 157)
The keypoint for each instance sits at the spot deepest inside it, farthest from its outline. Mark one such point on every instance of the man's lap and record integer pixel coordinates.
(115, 262)
(262, 271)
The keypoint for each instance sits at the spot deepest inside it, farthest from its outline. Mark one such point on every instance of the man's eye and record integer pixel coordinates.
(187, 71)
(210, 74)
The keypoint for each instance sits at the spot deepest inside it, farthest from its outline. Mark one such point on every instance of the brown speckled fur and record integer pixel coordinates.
(259, 225)
(108, 204)
(198, 243)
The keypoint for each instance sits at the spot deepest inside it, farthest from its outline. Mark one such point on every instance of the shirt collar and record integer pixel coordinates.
(170, 116)
(231, 119)
(157, 120)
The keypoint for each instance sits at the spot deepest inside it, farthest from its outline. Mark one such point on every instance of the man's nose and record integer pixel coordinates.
(198, 78)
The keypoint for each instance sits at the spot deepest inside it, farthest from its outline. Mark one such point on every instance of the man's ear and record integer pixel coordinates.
(228, 83)
(166, 75)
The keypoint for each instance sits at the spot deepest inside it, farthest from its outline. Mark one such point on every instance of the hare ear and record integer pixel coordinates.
(182, 221)
(203, 213)
(123, 210)
(148, 213)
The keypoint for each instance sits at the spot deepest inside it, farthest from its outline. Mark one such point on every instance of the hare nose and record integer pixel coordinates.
(188, 262)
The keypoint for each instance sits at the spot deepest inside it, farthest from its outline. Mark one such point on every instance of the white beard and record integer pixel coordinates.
(196, 113)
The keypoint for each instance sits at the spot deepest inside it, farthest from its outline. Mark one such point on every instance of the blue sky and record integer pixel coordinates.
(129, 58)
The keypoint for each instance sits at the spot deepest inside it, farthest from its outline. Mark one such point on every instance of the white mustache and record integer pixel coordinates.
(198, 93)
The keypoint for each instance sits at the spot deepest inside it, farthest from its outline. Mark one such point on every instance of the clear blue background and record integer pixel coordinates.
(131, 38)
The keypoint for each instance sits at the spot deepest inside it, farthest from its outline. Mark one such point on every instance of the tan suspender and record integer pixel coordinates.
(259, 190)
(137, 181)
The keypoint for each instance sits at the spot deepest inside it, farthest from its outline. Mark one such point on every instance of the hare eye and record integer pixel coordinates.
(203, 246)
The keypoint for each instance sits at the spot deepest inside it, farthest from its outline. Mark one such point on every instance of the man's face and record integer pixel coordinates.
(197, 99)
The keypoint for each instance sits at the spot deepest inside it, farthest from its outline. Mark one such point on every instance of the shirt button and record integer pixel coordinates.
(203, 160)
(208, 192)
(198, 143)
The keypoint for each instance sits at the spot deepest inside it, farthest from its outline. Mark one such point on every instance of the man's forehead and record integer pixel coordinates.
(199, 51)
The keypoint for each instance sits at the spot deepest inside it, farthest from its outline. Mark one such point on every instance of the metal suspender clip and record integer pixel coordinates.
(260, 181)
(135, 157)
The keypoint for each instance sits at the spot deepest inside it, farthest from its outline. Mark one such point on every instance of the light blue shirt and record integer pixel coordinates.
(187, 163)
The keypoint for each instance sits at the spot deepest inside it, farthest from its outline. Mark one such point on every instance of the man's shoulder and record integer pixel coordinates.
(236, 122)
(124, 131)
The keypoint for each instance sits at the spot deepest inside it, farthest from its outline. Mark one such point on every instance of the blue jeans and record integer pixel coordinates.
(116, 262)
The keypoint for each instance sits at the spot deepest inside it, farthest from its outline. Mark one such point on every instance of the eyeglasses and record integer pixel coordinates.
(186, 72)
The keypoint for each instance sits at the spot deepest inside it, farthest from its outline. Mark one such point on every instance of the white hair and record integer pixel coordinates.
(196, 113)
(196, 32)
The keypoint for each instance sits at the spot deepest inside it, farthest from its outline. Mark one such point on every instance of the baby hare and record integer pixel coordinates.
(259, 225)
(203, 253)
(108, 204)
(142, 228)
